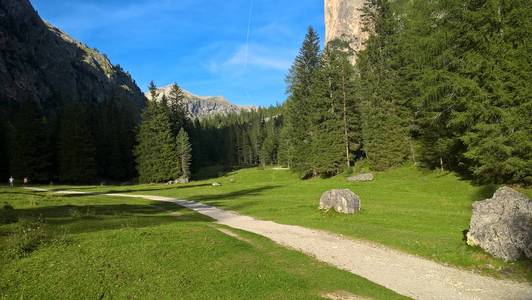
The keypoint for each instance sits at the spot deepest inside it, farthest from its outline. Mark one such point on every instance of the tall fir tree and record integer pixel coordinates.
(496, 57)
(184, 152)
(327, 155)
(386, 118)
(300, 80)
(30, 150)
(156, 155)
(4, 146)
(179, 114)
(115, 139)
(77, 151)
(335, 111)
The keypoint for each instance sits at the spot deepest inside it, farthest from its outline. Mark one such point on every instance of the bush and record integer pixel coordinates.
(8, 214)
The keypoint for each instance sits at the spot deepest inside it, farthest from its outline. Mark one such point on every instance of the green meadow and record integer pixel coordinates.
(99, 247)
(421, 212)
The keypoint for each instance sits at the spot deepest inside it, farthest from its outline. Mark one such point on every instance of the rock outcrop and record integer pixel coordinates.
(342, 201)
(343, 20)
(41, 63)
(202, 106)
(502, 225)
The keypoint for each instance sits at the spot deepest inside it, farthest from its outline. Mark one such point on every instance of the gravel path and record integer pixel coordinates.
(403, 273)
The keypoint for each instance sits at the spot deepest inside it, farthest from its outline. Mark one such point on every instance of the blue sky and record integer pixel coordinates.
(200, 44)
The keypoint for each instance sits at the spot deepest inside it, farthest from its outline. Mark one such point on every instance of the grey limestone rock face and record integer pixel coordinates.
(502, 225)
(203, 106)
(39, 62)
(342, 201)
(343, 21)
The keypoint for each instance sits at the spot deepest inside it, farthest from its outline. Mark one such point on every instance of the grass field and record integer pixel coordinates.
(99, 247)
(420, 212)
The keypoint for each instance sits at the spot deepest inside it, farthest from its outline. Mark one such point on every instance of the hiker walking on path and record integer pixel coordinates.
(11, 181)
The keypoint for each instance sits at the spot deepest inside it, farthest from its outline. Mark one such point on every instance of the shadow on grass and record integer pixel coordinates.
(15, 192)
(234, 195)
(91, 218)
(484, 192)
(217, 171)
(170, 187)
(129, 191)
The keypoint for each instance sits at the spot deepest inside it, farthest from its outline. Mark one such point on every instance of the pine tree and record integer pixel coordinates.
(335, 111)
(4, 141)
(77, 151)
(154, 93)
(327, 154)
(268, 151)
(496, 57)
(184, 152)
(157, 159)
(300, 80)
(179, 114)
(115, 139)
(286, 149)
(386, 117)
(30, 151)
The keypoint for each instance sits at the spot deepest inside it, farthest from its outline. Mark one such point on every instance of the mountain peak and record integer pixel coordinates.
(203, 106)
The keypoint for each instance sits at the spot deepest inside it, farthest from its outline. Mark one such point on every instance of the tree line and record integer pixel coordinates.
(441, 84)
(79, 142)
(444, 84)
(248, 138)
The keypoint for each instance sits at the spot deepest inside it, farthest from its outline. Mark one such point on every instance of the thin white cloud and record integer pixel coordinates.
(87, 17)
(258, 56)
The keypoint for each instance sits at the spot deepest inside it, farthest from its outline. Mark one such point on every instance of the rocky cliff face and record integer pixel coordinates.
(343, 20)
(202, 106)
(41, 63)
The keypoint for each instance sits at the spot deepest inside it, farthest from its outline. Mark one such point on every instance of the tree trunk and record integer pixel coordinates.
(346, 130)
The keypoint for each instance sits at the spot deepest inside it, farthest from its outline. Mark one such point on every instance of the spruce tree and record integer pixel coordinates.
(327, 154)
(77, 151)
(300, 80)
(184, 152)
(4, 141)
(386, 117)
(498, 138)
(115, 139)
(30, 153)
(179, 113)
(156, 155)
(335, 111)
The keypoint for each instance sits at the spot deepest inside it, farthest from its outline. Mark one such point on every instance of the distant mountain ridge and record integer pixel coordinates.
(39, 62)
(203, 106)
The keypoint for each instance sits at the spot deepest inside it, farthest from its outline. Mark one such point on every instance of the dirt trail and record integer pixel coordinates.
(403, 273)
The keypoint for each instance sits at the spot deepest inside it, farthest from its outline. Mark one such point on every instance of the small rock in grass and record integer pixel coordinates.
(182, 180)
(216, 184)
(342, 201)
(361, 177)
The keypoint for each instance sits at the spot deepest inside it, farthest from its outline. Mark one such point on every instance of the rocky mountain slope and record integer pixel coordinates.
(343, 20)
(41, 63)
(202, 106)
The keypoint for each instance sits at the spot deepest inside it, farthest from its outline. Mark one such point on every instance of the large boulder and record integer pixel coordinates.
(342, 201)
(502, 225)
(361, 177)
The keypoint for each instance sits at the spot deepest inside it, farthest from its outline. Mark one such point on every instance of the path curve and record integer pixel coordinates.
(403, 273)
